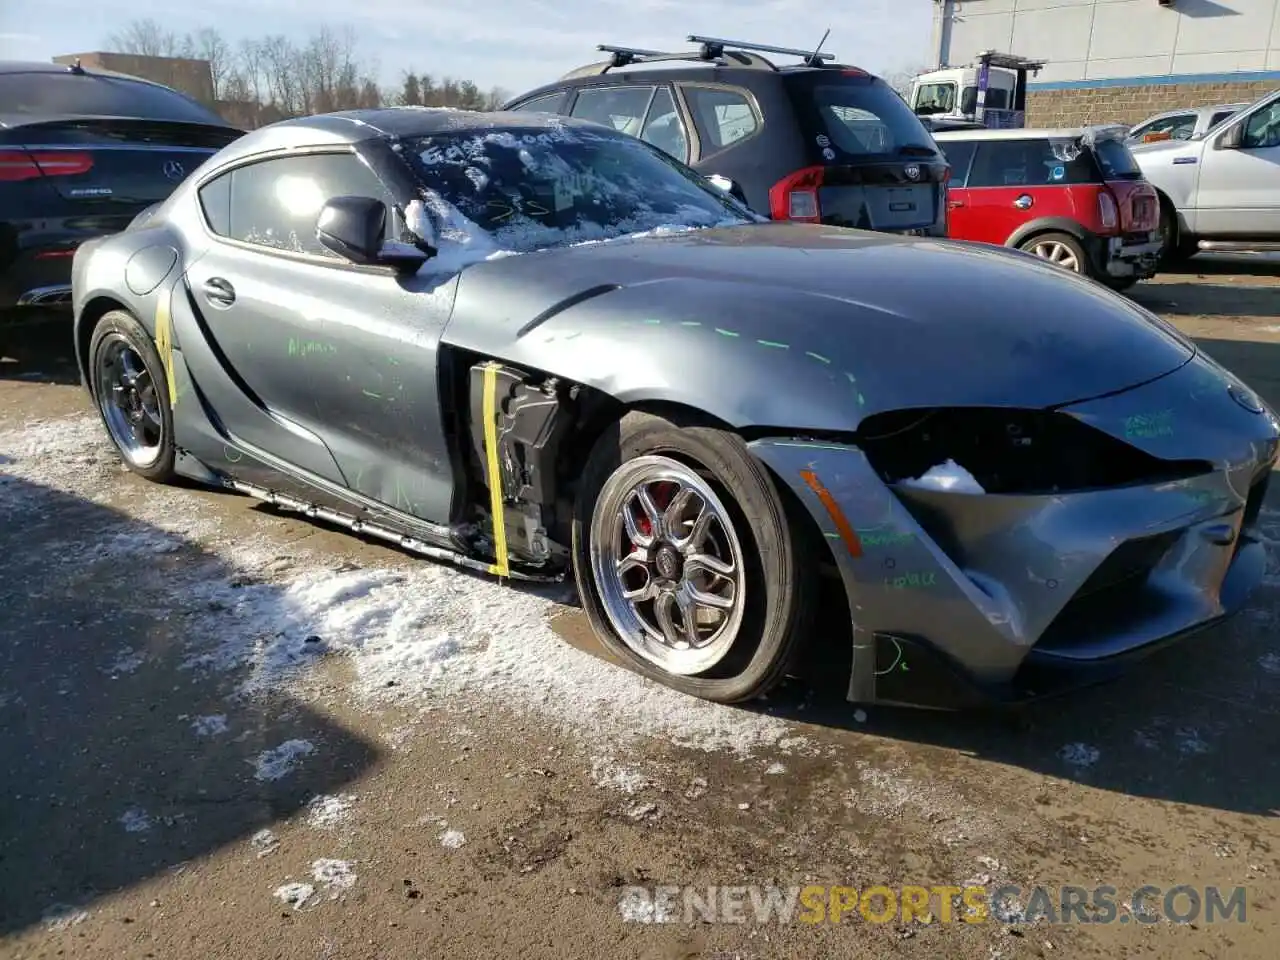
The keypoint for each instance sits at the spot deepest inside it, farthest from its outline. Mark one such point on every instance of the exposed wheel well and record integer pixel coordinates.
(93, 311)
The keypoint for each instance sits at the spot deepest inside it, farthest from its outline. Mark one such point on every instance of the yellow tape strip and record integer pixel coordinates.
(164, 345)
(495, 479)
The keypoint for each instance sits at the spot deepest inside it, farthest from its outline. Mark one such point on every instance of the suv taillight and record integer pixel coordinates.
(17, 165)
(1108, 211)
(795, 197)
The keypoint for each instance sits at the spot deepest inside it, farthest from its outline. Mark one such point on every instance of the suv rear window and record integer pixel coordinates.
(857, 118)
(1116, 161)
(94, 95)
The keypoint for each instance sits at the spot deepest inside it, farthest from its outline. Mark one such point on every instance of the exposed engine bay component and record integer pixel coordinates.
(1011, 451)
(532, 417)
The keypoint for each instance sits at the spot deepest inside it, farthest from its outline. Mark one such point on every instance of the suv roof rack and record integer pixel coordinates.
(715, 50)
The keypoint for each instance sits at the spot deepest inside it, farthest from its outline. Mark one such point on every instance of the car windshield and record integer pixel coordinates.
(529, 188)
(856, 118)
(94, 95)
(935, 98)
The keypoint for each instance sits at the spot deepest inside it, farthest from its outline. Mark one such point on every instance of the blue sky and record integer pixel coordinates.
(515, 44)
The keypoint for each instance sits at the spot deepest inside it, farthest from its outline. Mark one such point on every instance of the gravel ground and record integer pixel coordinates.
(227, 732)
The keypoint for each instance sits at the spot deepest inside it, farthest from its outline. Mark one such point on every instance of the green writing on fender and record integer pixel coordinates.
(906, 581)
(308, 348)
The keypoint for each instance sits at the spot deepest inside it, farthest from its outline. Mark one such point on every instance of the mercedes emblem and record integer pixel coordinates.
(173, 170)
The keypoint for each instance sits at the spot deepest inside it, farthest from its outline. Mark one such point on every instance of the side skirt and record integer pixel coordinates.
(357, 525)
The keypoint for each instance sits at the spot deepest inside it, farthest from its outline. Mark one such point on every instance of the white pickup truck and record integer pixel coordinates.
(1220, 190)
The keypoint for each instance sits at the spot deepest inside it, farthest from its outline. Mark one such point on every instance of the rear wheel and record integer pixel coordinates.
(1175, 247)
(685, 560)
(129, 387)
(1060, 249)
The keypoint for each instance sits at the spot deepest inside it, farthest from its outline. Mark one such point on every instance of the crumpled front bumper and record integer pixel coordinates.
(1006, 597)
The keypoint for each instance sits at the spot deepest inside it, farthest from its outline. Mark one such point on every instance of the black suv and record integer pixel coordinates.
(818, 141)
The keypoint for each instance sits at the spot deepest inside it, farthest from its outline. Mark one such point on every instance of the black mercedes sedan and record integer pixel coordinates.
(81, 154)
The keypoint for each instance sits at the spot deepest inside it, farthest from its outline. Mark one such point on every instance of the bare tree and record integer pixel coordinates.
(146, 38)
(209, 45)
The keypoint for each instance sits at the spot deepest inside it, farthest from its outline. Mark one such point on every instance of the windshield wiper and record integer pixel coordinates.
(915, 149)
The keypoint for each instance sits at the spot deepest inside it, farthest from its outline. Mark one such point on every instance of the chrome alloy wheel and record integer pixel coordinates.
(1056, 253)
(668, 565)
(129, 402)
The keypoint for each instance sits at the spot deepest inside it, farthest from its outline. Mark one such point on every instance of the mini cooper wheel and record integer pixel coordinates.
(129, 388)
(1060, 249)
(686, 562)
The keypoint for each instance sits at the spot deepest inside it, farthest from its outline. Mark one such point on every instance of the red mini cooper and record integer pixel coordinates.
(1075, 197)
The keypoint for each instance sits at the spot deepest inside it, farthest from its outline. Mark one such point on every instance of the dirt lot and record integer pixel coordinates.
(227, 732)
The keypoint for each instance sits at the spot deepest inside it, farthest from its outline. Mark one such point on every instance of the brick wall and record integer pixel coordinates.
(1073, 108)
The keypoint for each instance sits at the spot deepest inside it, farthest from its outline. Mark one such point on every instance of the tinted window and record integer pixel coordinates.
(93, 95)
(663, 127)
(545, 187)
(997, 99)
(275, 203)
(935, 98)
(1116, 161)
(546, 104)
(959, 154)
(1030, 163)
(860, 118)
(622, 108)
(723, 116)
(1262, 130)
(1221, 115)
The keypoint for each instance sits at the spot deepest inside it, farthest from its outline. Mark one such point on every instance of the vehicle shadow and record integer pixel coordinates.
(42, 353)
(122, 761)
(1199, 299)
(1224, 265)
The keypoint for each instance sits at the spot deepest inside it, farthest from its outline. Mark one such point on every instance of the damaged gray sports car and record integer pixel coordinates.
(538, 347)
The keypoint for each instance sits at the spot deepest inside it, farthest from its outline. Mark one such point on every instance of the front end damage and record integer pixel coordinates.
(1104, 530)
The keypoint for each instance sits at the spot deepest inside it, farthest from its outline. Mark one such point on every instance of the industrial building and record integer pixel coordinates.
(1120, 60)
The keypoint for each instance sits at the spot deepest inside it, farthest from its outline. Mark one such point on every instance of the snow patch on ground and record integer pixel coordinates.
(328, 811)
(210, 726)
(265, 843)
(452, 839)
(1079, 755)
(607, 773)
(135, 820)
(281, 761)
(296, 895)
(335, 877)
(63, 916)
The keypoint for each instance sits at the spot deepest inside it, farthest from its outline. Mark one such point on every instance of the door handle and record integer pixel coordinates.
(952, 204)
(219, 291)
(1023, 202)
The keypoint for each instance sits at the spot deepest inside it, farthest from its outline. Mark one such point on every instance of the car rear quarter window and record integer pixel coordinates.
(95, 95)
(275, 203)
(1115, 160)
(723, 115)
(215, 201)
(622, 108)
(1030, 163)
(549, 103)
(663, 127)
(851, 118)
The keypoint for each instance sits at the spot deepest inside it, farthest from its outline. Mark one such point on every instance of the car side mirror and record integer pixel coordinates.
(725, 185)
(353, 228)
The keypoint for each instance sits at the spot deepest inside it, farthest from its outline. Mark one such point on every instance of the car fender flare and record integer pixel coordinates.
(1065, 225)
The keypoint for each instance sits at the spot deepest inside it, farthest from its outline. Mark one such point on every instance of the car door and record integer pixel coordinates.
(323, 366)
(959, 154)
(1015, 181)
(1239, 190)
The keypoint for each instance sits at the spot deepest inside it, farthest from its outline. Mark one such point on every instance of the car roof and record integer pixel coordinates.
(354, 126)
(11, 67)
(1019, 133)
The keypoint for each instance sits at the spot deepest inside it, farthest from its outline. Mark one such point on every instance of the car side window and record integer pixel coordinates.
(622, 108)
(1262, 130)
(1178, 127)
(723, 116)
(959, 154)
(1030, 163)
(663, 127)
(548, 103)
(274, 203)
(1221, 115)
(215, 200)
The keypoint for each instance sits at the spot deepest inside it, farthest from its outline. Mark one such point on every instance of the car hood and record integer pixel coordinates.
(915, 322)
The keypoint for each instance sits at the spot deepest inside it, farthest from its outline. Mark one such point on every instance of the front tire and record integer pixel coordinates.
(130, 390)
(685, 561)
